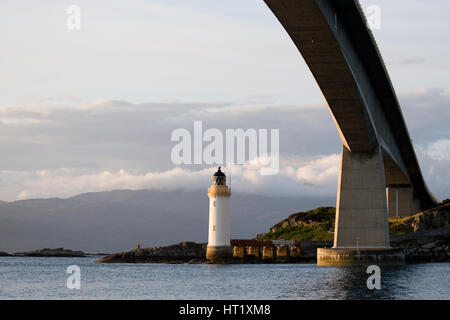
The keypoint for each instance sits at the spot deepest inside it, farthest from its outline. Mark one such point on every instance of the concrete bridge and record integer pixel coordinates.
(379, 173)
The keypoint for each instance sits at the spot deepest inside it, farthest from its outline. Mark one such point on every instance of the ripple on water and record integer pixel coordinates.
(45, 278)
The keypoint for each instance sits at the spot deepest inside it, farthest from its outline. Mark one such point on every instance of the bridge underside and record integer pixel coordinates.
(380, 174)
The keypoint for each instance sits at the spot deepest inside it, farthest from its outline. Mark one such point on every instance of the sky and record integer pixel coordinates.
(93, 109)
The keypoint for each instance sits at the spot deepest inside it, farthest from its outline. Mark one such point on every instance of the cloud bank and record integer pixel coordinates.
(300, 177)
(62, 147)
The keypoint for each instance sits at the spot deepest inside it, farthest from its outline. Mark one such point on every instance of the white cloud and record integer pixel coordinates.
(319, 171)
(39, 137)
(312, 177)
(439, 150)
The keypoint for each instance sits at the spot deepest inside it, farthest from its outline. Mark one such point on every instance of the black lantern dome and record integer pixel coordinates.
(219, 178)
(219, 173)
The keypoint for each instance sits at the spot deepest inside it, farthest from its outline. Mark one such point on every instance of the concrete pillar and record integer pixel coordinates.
(282, 253)
(239, 252)
(400, 201)
(253, 251)
(267, 253)
(361, 235)
(417, 205)
(361, 212)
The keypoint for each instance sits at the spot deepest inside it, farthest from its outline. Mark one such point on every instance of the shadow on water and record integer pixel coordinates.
(351, 283)
(397, 282)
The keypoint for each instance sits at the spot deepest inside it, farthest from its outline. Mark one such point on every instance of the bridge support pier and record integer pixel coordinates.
(400, 201)
(361, 212)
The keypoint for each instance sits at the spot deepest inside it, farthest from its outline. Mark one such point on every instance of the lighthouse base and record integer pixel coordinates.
(219, 253)
(357, 257)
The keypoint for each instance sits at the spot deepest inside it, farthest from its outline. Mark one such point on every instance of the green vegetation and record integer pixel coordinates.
(318, 232)
(398, 226)
(320, 214)
(446, 201)
(318, 224)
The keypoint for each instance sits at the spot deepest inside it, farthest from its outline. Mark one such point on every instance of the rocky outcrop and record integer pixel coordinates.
(46, 252)
(423, 236)
(438, 217)
(310, 218)
(177, 253)
(436, 251)
(425, 246)
(317, 224)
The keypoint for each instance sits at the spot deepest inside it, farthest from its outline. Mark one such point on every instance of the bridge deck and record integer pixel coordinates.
(340, 51)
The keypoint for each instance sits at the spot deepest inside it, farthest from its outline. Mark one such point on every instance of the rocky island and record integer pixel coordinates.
(46, 252)
(178, 253)
(425, 237)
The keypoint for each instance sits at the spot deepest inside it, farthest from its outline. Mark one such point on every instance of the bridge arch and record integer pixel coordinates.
(379, 163)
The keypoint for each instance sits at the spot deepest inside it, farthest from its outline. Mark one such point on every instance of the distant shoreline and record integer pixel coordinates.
(53, 253)
(424, 237)
(423, 246)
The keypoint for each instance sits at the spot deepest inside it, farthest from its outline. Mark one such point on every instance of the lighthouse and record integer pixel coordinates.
(219, 247)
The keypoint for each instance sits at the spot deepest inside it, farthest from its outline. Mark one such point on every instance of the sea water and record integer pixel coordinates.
(46, 278)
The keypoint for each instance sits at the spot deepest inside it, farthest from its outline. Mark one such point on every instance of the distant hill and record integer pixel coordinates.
(318, 224)
(117, 220)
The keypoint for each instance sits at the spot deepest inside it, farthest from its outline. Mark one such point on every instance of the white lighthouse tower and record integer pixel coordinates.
(219, 247)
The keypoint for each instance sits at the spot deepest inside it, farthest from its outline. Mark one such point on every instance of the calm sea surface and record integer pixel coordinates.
(46, 278)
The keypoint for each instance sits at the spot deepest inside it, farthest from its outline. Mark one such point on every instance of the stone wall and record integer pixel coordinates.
(278, 251)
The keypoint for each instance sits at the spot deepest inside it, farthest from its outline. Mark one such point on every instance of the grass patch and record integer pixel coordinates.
(320, 214)
(319, 225)
(398, 226)
(316, 232)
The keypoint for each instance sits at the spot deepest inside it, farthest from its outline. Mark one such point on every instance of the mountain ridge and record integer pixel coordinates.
(113, 221)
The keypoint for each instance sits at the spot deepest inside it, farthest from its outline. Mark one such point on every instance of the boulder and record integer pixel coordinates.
(429, 245)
